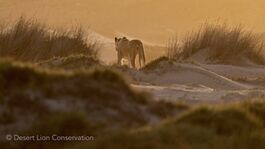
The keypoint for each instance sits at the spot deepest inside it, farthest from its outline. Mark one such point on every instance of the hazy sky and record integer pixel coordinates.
(152, 20)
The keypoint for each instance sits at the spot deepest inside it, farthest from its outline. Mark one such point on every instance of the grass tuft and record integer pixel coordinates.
(155, 63)
(72, 62)
(29, 40)
(225, 44)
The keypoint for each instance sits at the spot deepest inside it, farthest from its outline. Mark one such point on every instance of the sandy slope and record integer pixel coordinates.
(188, 74)
(198, 94)
(198, 84)
(237, 71)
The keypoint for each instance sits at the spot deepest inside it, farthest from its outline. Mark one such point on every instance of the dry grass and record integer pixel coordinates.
(71, 62)
(225, 126)
(224, 44)
(28, 40)
(173, 48)
(19, 76)
(155, 63)
(227, 121)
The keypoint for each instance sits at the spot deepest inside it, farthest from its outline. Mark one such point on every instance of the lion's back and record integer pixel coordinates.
(135, 44)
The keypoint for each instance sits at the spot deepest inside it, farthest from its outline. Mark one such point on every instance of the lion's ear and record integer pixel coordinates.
(116, 39)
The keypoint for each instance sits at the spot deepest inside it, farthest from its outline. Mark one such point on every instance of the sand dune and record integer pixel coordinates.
(186, 74)
(237, 71)
(197, 84)
(194, 94)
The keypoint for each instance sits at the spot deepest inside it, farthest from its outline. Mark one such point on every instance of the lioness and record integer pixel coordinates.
(129, 49)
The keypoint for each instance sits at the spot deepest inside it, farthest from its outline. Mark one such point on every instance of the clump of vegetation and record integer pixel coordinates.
(222, 122)
(224, 126)
(224, 44)
(71, 62)
(28, 40)
(218, 44)
(155, 63)
(17, 78)
(164, 108)
(173, 47)
(15, 75)
(257, 108)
